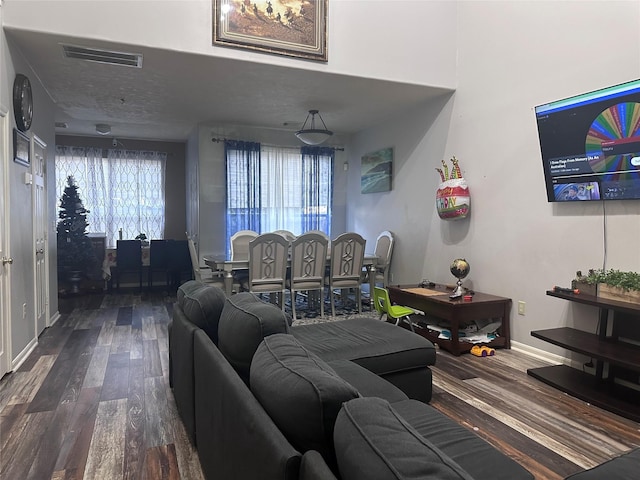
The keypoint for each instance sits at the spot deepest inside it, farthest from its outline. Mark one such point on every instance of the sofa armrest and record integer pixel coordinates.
(313, 467)
(236, 437)
(181, 361)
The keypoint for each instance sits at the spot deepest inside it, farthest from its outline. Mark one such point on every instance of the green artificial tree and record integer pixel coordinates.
(75, 250)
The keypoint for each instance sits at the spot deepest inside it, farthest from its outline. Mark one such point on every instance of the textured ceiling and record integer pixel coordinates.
(175, 91)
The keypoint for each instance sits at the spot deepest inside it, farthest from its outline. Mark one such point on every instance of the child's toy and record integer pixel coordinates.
(482, 351)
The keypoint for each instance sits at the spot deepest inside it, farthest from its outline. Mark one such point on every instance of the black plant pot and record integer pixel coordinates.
(74, 277)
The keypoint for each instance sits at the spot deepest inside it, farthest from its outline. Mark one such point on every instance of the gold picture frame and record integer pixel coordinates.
(281, 27)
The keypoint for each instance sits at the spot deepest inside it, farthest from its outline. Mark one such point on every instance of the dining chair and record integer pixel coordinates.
(268, 258)
(308, 261)
(383, 251)
(179, 263)
(347, 257)
(240, 251)
(200, 273)
(395, 312)
(240, 244)
(290, 236)
(128, 259)
(158, 260)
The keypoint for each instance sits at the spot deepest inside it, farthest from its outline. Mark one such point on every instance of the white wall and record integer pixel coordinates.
(21, 277)
(512, 56)
(363, 36)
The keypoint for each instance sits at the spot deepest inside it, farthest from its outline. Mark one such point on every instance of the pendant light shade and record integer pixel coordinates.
(103, 128)
(313, 135)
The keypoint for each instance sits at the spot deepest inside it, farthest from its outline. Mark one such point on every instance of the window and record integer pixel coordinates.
(278, 188)
(124, 190)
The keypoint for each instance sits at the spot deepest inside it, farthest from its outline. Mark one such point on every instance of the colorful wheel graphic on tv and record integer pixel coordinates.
(614, 142)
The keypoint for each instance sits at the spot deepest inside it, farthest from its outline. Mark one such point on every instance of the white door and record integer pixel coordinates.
(41, 274)
(5, 353)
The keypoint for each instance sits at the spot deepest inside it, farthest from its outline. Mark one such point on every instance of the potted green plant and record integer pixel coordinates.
(143, 239)
(613, 284)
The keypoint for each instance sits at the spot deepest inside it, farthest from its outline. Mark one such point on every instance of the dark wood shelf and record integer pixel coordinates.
(610, 396)
(623, 354)
(618, 306)
(461, 346)
(622, 358)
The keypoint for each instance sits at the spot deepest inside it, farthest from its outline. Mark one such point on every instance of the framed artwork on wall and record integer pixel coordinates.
(21, 148)
(281, 27)
(376, 170)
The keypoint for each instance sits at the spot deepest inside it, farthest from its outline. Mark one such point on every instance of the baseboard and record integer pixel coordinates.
(540, 354)
(24, 354)
(54, 318)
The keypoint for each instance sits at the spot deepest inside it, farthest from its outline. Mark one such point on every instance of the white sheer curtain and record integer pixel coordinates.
(281, 200)
(124, 190)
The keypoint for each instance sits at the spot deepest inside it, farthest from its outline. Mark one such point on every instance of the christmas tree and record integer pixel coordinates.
(74, 246)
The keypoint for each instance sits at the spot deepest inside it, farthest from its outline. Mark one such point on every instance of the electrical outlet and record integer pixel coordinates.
(521, 307)
(390, 277)
(24, 311)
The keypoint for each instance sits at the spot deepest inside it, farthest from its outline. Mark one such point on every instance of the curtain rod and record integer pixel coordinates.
(218, 140)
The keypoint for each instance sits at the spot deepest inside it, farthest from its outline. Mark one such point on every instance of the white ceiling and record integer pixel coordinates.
(175, 91)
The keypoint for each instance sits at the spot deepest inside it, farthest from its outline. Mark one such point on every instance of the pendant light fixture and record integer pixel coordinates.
(313, 135)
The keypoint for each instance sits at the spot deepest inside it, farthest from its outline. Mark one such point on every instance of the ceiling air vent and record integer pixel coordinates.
(103, 56)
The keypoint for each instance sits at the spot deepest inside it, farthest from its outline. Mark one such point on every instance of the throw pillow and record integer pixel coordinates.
(244, 322)
(300, 392)
(202, 304)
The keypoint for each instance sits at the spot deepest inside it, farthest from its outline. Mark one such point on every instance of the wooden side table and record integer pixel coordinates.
(435, 302)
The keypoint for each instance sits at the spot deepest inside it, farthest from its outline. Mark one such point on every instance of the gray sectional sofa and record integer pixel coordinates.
(344, 400)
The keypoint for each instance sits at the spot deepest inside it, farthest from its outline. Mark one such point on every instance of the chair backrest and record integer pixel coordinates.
(380, 299)
(129, 254)
(179, 256)
(240, 244)
(308, 260)
(159, 254)
(384, 249)
(320, 232)
(268, 255)
(286, 234)
(347, 257)
(195, 262)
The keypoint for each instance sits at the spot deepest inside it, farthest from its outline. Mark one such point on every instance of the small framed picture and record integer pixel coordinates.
(21, 148)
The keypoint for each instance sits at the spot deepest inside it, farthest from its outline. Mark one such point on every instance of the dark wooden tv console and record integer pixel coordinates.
(614, 357)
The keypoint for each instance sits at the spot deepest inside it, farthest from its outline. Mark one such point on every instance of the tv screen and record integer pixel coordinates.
(590, 145)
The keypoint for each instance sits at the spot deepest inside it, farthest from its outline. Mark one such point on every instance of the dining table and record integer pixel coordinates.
(227, 267)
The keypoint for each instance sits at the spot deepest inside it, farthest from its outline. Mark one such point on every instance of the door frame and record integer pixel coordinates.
(6, 356)
(35, 143)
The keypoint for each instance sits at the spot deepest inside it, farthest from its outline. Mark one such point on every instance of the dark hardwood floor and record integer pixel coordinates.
(93, 402)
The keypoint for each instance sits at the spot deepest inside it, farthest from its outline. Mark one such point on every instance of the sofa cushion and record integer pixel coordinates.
(625, 466)
(202, 304)
(367, 383)
(244, 322)
(300, 392)
(373, 442)
(457, 441)
(378, 346)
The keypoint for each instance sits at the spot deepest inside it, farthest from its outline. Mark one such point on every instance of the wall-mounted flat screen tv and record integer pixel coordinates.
(590, 145)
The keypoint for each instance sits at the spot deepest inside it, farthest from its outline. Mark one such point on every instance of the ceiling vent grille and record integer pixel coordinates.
(103, 56)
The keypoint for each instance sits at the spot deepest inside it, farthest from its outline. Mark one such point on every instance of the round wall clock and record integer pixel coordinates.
(22, 102)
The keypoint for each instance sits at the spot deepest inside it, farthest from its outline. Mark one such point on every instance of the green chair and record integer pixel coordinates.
(396, 312)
